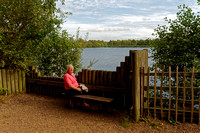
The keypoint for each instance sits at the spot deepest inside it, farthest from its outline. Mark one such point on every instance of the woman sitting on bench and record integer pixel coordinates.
(71, 85)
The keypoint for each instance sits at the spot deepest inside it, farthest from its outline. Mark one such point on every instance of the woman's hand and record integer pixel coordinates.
(79, 89)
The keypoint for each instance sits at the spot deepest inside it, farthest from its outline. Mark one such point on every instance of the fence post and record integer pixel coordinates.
(1, 80)
(139, 59)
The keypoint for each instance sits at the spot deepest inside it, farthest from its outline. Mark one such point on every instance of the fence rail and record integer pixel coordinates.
(13, 80)
(173, 95)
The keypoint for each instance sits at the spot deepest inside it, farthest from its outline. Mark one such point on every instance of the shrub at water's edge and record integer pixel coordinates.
(178, 44)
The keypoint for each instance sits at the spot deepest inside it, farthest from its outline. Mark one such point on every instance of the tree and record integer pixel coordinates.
(179, 43)
(23, 24)
(55, 52)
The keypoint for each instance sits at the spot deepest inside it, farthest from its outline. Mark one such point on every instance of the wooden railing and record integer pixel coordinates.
(122, 84)
(171, 95)
(13, 80)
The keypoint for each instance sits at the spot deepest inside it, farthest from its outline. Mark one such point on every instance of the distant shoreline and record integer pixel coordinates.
(143, 46)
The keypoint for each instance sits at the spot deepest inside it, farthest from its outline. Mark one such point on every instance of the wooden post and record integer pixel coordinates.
(105, 80)
(155, 81)
(184, 94)
(8, 81)
(148, 74)
(192, 95)
(109, 78)
(93, 77)
(142, 91)
(199, 108)
(89, 77)
(16, 82)
(101, 77)
(80, 77)
(23, 82)
(97, 78)
(4, 85)
(12, 79)
(169, 93)
(122, 74)
(83, 76)
(1, 80)
(139, 59)
(176, 117)
(20, 81)
(86, 76)
(161, 102)
(118, 77)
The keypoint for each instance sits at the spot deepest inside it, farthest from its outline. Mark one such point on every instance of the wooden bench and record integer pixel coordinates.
(97, 99)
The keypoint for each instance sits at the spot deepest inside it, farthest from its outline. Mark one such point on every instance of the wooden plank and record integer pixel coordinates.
(173, 88)
(12, 81)
(79, 77)
(16, 81)
(94, 98)
(142, 91)
(148, 72)
(199, 108)
(155, 78)
(4, 85)
(1, 80)
(86, 76)
(97, 77)
(93, 77)
(122, 83)
(161, 102)
(23, 81)
(173, 110)
(20, 81)
(167, 99)
(83, 76)
(176, 117)
(109, 78)
(101, 77)
(118, 76)
(173, 74)
(89, 77)
(184, 94)
(192, 92)
(114, 79)
(169, 93)
(126, 72)
(105, 80)
(8, 81)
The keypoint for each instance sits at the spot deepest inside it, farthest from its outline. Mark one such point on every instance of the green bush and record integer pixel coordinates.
(4, 91)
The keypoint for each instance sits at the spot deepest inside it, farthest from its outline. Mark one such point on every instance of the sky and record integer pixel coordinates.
(119, 19)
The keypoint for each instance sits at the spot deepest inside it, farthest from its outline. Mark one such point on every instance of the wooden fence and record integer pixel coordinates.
(171, 95)
(120, 84)
(13, 80)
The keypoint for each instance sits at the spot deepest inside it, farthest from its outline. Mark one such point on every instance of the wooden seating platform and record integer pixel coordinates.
(102, 102)
(94, 98)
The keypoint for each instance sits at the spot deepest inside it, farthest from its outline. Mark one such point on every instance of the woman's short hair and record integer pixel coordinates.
(68, 67)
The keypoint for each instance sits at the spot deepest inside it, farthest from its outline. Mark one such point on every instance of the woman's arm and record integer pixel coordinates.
(75, 88)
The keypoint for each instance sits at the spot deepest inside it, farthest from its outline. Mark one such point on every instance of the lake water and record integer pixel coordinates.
(107, 58)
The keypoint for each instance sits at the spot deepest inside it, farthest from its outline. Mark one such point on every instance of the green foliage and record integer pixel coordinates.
(178, 43)
(56, 51)
(125, 121)
(4, 91)
(118, 43)
(23, 24)
(171, 121)
(154, 123)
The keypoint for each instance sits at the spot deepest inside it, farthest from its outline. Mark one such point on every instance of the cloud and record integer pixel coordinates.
(120, 19)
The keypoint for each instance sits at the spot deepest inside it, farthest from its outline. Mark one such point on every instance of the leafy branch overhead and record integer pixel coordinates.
(25, 25)
(178, 43)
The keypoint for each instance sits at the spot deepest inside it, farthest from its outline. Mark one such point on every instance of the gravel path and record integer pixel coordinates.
(27, 113)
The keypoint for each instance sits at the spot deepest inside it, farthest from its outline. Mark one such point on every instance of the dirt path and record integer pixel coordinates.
(27, 113)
